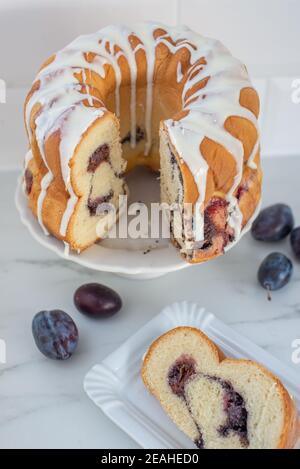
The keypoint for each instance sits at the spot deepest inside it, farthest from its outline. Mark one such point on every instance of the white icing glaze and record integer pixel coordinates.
(179, 74)
(46, 181)
(66, 250)
(27, 159)
(78, 119)
(208, 108)
(58, 92)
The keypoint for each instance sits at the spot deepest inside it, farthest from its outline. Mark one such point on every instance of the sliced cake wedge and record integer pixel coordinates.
(219, 402)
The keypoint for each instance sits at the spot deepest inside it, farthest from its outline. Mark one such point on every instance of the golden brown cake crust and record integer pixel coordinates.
(222, 170)
(290, 435)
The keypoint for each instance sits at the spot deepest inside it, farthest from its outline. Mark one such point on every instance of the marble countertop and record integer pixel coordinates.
(42, 403)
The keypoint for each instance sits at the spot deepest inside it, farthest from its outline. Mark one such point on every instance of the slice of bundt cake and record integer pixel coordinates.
(218, 402)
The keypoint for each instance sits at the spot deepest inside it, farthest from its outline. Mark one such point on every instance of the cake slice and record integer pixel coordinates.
(216, 401)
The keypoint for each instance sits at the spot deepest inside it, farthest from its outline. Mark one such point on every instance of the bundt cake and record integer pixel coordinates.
(218, 402)
(163, 97)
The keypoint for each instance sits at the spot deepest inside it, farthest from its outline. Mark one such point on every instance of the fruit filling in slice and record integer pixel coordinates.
(100, 155)
(217, 410)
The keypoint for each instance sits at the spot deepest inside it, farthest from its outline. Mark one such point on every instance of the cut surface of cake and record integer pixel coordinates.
(163, 97)
(218, 402)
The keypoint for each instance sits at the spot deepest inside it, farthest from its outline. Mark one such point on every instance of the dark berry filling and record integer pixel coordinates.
(215, 219)
(235, 409)
(94, 204)
(215, 223)
(99, 156)
(243, 188)
(28, 180)
(173, 160)
(234, 405)
(175, 166)
(199, 442)
(237, 415)
(182, 370)
(215, 204)
(139, 136)
(119, 175)
(179, 374)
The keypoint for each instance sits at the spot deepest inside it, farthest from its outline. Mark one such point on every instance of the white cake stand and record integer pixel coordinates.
(136, 259)
(130, 258)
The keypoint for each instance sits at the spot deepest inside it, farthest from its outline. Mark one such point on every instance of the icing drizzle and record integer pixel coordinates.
(68, 105)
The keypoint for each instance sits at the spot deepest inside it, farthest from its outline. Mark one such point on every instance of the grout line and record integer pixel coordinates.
(177, 12)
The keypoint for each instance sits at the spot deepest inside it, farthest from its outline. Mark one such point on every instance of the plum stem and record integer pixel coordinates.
(269, 293)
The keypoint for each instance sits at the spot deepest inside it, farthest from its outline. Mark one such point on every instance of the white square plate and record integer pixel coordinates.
(116, 386)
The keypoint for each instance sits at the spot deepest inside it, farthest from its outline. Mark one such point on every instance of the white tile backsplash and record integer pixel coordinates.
(13, 141)
(261, 86)
(281, 134)
(264, 33)
(30, 31)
